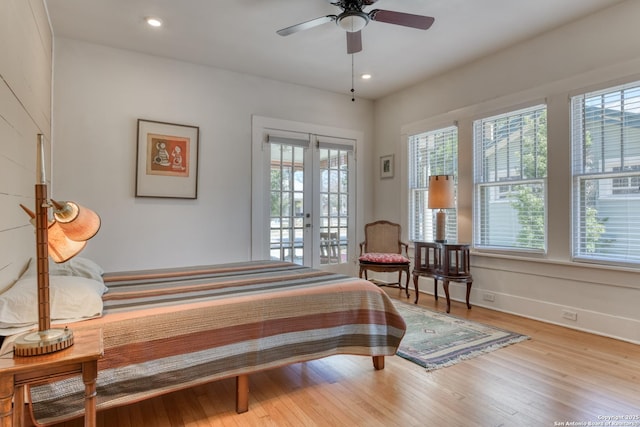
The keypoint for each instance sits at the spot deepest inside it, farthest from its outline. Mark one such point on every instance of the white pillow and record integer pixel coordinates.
(72, 298)
(76, 266)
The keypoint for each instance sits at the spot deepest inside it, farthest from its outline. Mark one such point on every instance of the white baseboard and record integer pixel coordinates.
(604, 324)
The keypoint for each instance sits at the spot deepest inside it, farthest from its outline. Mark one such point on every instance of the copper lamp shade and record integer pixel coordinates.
(78, 223)
(61, 248)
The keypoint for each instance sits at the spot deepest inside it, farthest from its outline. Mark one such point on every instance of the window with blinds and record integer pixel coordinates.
(510, 177)
(606, 175)
(431, 153)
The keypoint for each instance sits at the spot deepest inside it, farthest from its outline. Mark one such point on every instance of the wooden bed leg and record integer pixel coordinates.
(242, 393)
(378, 362)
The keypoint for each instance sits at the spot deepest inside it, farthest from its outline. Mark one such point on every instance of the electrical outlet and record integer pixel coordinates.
(570, 315)
(489, 296)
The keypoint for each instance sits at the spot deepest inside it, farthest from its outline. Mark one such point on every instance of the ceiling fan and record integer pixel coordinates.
(353, 19)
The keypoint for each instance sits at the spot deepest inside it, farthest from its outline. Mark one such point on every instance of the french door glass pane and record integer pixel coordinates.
(334, 206)
(287, 203)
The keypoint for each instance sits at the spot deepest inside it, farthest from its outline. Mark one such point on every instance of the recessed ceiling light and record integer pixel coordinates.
(365, 76)
(153, 21)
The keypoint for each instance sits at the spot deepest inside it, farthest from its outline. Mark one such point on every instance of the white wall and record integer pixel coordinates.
(100, 92)
(593, 52)
(25, 111)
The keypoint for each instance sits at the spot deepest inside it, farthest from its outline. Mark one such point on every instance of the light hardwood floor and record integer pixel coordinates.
(558, 376)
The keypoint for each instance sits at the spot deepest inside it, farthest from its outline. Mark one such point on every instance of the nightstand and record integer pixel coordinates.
(448, 262)
(79, 359)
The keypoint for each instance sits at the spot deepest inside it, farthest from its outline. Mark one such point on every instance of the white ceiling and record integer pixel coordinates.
(240, 35)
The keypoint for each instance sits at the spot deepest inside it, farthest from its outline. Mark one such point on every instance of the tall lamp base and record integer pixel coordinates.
(441, 225)
(43, 342)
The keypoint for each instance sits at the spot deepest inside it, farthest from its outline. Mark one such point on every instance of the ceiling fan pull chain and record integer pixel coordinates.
(353, 91)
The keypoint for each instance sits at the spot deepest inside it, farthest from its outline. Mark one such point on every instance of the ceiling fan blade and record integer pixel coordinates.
(341, 3)
(306, 25)
(354, 42)
(400, 18)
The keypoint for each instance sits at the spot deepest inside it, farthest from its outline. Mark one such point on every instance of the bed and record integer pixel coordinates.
(169, 329)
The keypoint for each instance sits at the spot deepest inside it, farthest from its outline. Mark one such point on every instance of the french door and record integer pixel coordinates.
(308, 213)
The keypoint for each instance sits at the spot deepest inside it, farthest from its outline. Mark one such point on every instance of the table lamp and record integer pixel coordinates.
(441, 197)
(62, 238)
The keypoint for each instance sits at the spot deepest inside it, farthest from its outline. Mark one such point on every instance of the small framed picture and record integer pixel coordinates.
(167, 160)
(386, 166)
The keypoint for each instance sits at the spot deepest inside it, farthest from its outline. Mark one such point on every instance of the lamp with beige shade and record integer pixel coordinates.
(441, 197)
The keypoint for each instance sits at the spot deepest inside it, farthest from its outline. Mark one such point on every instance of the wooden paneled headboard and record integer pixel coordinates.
(25, 111)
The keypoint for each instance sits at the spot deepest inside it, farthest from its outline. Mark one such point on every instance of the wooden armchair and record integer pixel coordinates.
(383, 251)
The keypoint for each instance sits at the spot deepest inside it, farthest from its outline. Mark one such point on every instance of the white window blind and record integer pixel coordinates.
(431, 153)
(510, 180)
(606, 175)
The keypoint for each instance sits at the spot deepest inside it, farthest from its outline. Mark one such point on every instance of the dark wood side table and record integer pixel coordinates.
(79, 359)
(448, 262)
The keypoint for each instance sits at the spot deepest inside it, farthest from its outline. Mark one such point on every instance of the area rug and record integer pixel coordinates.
(435, 340)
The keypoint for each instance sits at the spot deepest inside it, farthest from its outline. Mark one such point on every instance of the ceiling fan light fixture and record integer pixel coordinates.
(352, 21)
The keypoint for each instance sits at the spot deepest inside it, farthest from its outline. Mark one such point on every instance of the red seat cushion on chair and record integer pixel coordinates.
(382, 258)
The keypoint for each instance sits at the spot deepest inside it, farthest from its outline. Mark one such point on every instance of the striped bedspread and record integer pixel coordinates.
(174, 328)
